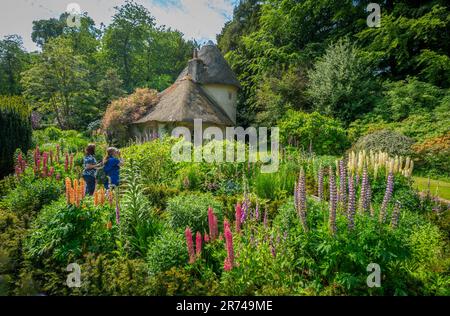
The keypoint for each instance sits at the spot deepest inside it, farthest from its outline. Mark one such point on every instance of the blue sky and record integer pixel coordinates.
(197, 19)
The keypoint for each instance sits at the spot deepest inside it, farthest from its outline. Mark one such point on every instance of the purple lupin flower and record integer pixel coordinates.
(351, 202)
(396, 214)
(363, 205)
(265, 218)
(273, 250)
(300, 199)
(257, 212)
(342, 183)
(333, 202)
(387, 197)
(245, 208)
(320, 184)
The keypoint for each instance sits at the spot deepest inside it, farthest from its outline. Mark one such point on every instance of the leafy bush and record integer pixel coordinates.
(404, 98)
(31, 195)
(16, 130)
(154, 161)
(387, 141)
(323, 135)
(191, 210)
(64, 233)
(434, 155)
(166, 251)
(70, 141)
(341, 84)
(115, 276)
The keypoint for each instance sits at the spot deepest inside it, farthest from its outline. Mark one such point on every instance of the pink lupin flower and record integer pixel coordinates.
(51, 172)
(71, 161)
(212, 221)
(227, 266)
(58, 177)
(17, 171)
(206, 238)
(229, 261)
(51, 157)
(66, 163)
(190, 244)
(44, 165)
(19, 159)
(36, 155)
(238, 217)
(198, 244)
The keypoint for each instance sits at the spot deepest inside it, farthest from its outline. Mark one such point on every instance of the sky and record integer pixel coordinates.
(197, 19)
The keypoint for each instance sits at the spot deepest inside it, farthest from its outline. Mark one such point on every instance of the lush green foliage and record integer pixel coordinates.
(64, 233)
(30, 195)
(341, 83)
(167, 251)
(192, 211)
(313, 132)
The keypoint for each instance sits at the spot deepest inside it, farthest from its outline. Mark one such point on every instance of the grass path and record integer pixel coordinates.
(439, 187)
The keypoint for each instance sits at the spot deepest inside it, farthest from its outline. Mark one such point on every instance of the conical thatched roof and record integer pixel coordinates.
(185, 101)
(216, 68)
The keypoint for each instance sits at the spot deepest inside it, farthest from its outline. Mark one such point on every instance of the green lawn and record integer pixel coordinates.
(439, 187)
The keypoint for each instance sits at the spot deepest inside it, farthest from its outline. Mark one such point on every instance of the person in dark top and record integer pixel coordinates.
(112, 164)
(90, 169)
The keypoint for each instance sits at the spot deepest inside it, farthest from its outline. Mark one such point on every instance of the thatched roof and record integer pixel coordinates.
(216, 68)
(185, 101)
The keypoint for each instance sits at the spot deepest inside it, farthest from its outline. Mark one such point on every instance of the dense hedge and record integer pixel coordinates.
(16, 130)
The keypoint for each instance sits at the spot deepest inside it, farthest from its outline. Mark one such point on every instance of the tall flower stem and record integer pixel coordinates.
(333, 202)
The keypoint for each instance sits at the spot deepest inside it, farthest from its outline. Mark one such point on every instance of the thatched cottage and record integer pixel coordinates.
(206, 89)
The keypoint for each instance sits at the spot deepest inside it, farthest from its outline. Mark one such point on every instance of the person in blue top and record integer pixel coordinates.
(111, 166)
(90, 169)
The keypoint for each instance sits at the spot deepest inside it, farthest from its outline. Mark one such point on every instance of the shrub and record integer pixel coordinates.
(434, 155)
(191, 210)
(403, 98)
(387, 141)
(341, 84)
(31, 195)
(64, 233)
(159, 194)
(166, 251)
(323, 135)
(154, 161)
(16, 130)
(115, 276)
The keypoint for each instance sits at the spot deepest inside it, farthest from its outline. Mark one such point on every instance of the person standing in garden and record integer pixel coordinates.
(90, 169)
(112, 164)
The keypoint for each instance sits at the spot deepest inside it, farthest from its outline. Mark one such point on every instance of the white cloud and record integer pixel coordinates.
(197, 19)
